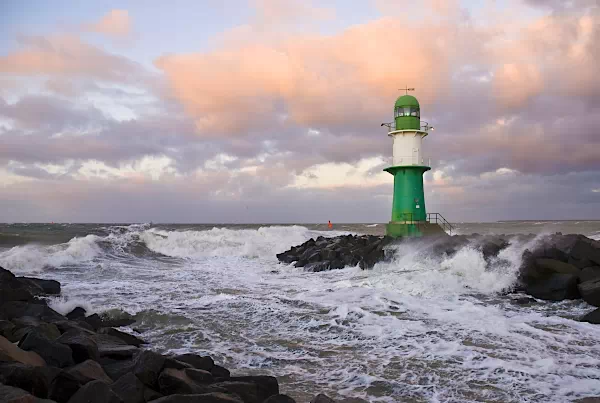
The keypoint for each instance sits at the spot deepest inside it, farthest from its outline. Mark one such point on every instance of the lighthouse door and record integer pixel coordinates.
(415, 157)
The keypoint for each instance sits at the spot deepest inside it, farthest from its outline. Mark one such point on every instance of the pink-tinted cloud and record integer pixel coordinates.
(66, 55)
(115, 23)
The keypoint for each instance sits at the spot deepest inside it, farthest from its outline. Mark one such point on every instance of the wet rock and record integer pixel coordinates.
(6, 329)
(35, 380)
(555, 287)
(14, 291)
(197, 361)
(115, 369)
(148, 366)
(63, 387)
(267, 386)
(126, 337)
(95, 392)
(82, 344)
(176, 381)
(280, 399)
(94, 320)
(220, 372)
(589, 273)
(113, 347)
(321, 398)
(130, 389)
(88, 371)
(54, 353)
(247, 391)
(580, 264)
(317, 266)
(524, 300)
(173, 363)
(27, 324)
(66, 325)
(17, 309)
(199, 375)
(77, 313)
(10, 352)
(124, 319)
(10, 394)
(587, 400)
(556, 266)
(586, 249)
(200, 398)
(590, 291)
(50, 287)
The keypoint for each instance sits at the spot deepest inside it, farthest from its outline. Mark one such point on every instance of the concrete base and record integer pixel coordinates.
(415, 229)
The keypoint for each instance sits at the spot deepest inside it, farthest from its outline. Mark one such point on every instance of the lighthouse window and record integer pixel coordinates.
(407, 111)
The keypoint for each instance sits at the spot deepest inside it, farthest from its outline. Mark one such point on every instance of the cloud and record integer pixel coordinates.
(115, 23)
(67, 56)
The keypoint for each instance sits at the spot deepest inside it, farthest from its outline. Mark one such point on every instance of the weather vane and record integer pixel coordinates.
(406, 89)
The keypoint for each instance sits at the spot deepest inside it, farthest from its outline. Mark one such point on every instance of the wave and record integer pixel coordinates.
(263, 242)
(36, 258)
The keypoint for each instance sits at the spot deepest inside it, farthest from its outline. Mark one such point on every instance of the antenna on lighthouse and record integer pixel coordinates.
(406, 89)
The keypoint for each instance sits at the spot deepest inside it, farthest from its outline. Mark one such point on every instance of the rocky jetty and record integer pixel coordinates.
(46, 357)
(554, 267)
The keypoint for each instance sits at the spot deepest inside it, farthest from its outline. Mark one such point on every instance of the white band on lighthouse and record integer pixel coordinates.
(408, 147)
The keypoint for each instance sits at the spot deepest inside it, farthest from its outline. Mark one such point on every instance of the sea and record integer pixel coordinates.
(417, 329)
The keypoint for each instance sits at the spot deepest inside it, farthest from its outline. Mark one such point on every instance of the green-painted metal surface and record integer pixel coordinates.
(407, 113)
(396, 230)
(408, 205)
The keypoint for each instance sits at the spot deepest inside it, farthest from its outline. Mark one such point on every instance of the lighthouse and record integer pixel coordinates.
(409, 215)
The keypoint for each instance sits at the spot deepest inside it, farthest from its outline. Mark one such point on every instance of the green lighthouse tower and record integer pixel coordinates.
(409, 216)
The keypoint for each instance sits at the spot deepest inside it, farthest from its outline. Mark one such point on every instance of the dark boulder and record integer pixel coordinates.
(17, 309)
(6, 329)
(592, 317)
(94, 320)
(27, 324)
(199, 375)
(88, 371)
(580, 264)
(115, 369)
(556, 266)
(129, 389)
(54, 353)
(220, 373)
(95, 392)
(63, 386)
(82, 344)
(171, 362)
(317, 266)
(114, 347)
(10, 394)
(590, 291)
(247, 391)
(555, 287)
(35, 380)
(126, 337)
(11, 353)
(197, 361)
(321, 398)
(176, 381)
(267, 386)
(200, 398)
(124, 319)
(50, 287)
(14, 290)
(66, 325)
(586, 249)
(148, 366)
(589, 273)
(280, 399)
(77, 313)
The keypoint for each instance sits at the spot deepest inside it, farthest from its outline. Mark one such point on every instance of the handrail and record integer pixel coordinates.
(440, 220)
(433, 218)
(423, 126)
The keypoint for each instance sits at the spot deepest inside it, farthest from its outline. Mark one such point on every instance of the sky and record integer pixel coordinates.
(269, 111)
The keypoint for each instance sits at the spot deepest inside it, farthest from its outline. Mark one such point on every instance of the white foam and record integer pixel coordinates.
(34, 258)
(263, 242)
(64, 305)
